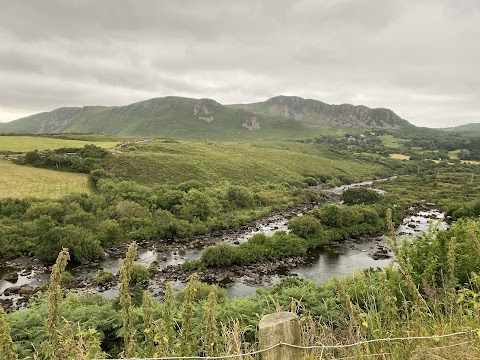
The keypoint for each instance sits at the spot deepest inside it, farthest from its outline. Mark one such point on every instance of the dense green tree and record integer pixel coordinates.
(360, 195)
(53, 209)
(196, 205)
(330, 215)
(109, 232)
(82, 219)
(80, 242)
(129, 209)
(170, 199)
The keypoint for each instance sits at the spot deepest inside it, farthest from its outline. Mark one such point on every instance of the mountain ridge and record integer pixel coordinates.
(319, 113)
(174, 116)
(464, 127)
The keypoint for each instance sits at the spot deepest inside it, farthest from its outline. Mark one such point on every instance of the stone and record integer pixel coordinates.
(11, 290)
(27, 290)
(11, 277)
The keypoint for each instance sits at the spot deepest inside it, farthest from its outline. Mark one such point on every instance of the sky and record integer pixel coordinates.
(419, 58)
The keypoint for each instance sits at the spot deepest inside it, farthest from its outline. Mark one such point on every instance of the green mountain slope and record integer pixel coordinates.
(186, 118)
(465, 127)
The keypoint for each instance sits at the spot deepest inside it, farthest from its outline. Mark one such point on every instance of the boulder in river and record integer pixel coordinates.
(11, 277)
(381, 254)
(20, 290)
(12, 290)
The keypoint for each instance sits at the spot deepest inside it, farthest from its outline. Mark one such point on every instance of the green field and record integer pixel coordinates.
(163, 162)
(23, 181)
(30, 143)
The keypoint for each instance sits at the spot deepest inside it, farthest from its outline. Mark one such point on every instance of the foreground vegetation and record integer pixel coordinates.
(415, 297)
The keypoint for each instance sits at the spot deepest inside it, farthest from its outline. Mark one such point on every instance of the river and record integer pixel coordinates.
(321, 264)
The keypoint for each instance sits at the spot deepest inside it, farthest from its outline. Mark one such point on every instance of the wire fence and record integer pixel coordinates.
(322, 348)
(416, 350)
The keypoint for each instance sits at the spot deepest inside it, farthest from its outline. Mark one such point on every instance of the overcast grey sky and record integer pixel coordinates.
(419, 58)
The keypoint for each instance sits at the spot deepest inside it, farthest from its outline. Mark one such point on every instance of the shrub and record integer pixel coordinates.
(66, 278)
(239, 197)
(193, 265)
(219, 255)
(330, 215)
(96, 175)
(80, 242)
(81, 219)
(190, 184)
(202, 290)
(47, 208)
(139, 274)
(109, 232)
(196, 205)
(259, 239)
(310, 181)
(359, 195)
(153, 268)
(305, 226)
(170, 199)
(285, 245)
(103, 277)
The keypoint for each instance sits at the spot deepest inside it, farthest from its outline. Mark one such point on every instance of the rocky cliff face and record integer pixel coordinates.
(204, 109)
(319, 113)
(251, 123)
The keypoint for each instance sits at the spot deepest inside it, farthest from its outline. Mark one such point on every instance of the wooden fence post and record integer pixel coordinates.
(282, 327)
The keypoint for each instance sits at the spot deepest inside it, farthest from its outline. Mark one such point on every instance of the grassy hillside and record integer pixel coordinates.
(237, 163)
(205, 119)
(22, 181)
(30, 143)
(169, 117)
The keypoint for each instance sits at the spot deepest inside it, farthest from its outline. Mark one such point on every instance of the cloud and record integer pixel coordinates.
(417, 58)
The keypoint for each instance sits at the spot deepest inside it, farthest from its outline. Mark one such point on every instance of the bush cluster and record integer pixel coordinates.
(257, 249)
(121, 210)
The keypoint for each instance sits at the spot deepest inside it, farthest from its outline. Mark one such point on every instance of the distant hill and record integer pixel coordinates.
(178, 117)
(465, 127)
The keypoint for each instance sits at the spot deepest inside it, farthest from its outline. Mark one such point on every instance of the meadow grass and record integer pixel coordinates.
(442, 187)
(391, 141)
(453, 154)
(237, 163)
(23, 181)
(400, 156)
(30, 143)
